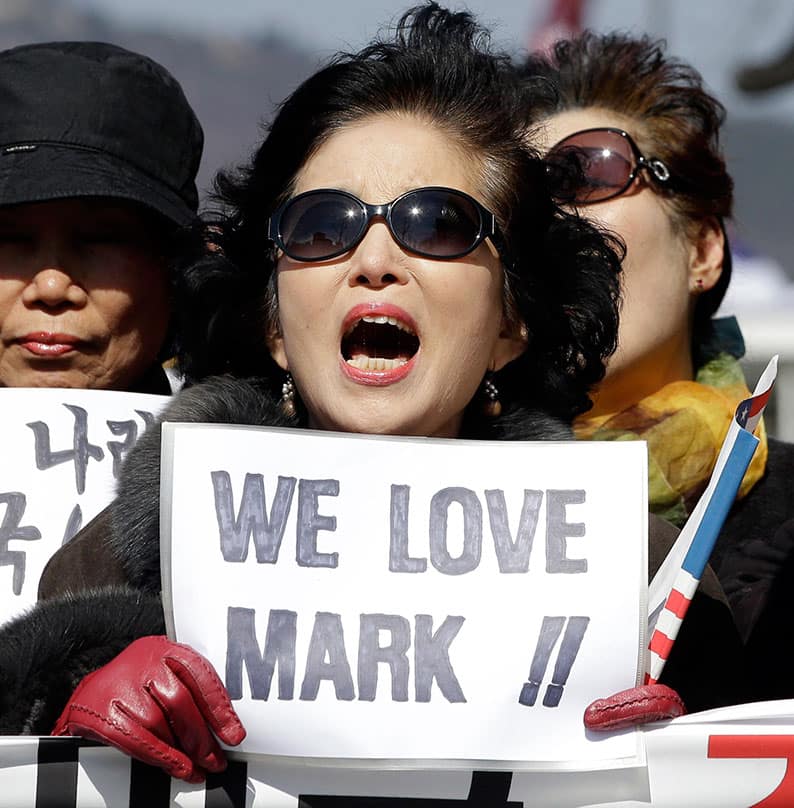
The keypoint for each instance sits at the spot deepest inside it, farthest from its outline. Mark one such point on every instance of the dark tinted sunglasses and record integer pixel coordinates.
(598, 164)
(431, 222)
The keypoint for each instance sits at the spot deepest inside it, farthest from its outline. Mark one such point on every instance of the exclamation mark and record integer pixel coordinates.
(569, 648)
(549, 632)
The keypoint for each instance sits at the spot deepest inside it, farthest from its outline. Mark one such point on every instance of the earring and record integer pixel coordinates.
(288, 396)
(491, 407)
(699, 284)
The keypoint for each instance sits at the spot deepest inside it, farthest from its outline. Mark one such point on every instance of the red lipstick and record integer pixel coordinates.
(46, 344)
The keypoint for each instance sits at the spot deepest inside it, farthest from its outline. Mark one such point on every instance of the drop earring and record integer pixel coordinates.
(491, 407)
(288, 396)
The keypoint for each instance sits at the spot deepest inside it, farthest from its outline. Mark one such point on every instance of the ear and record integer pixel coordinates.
(706, 254)
(512, 342)
(275, 344)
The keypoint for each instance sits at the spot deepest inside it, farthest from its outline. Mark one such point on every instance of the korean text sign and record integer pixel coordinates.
(62, 454)
(394, 598)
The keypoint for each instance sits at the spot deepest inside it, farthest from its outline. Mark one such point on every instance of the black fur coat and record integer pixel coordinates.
(102, 590)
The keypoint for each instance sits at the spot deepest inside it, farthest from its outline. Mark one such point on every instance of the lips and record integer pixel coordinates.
(47, 344)
(379, 343)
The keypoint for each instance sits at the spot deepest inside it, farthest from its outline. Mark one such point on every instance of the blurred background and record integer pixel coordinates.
(236, 59)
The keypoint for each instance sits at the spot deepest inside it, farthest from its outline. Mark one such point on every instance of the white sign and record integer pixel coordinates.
(61, 455)
(392, 598)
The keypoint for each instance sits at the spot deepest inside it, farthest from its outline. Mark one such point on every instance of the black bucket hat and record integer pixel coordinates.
(93, 119)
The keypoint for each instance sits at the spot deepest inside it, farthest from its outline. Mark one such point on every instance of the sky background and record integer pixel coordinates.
(317, 23)
(715, 35)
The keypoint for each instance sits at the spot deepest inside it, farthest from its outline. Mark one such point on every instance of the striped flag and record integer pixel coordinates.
(675, 582)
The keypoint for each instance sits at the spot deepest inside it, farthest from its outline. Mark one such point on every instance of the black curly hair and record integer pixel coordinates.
(562, 275)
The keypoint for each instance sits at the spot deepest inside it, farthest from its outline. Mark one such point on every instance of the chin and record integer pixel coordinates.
(71, 379)
(385, 423)
(370, 426)
(64, 380)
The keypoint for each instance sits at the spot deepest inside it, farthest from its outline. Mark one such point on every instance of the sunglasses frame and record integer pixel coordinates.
(488, 227)
(657, 168)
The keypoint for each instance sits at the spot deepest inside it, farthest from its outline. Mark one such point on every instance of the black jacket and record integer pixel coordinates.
(756, 544)
(101, 591)
(754, 558)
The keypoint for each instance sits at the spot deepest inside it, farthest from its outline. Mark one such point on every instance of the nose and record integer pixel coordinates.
(378, 261)
(53, 284)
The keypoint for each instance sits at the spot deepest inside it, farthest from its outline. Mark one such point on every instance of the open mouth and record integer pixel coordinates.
(378, 342)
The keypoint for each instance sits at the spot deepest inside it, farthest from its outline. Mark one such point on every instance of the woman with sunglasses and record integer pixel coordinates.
(390, 263)
(644, 135)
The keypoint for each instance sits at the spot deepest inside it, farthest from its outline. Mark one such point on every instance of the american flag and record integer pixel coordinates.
(675, 582)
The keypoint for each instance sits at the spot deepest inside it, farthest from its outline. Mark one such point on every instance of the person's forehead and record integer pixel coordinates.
(384, 155)
(560, 125)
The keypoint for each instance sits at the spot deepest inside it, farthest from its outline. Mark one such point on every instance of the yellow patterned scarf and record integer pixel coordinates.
(684, 424)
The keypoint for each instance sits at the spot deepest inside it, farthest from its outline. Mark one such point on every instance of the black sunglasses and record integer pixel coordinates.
(433, 222)
(598, 164)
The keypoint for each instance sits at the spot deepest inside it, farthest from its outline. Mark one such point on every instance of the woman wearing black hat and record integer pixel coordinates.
(99, 150)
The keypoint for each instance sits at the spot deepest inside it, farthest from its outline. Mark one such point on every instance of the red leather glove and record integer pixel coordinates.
(158, 701)
(637, 705)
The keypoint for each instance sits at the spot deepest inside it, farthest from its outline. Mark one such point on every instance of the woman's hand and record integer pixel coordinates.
(637, 705)
(160, 702)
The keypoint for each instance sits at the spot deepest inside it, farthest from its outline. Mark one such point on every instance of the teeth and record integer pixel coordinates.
(375, 363)
(382, 319)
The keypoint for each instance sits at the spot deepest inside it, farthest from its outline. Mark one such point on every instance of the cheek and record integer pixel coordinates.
(138, 307)
(655, 312)
(655, 269)
(479, 291)
(303, 308)
(472, 307)
(10, 293)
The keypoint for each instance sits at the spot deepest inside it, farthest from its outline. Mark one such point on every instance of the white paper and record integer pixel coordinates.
(62, 451)
(337, 711)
